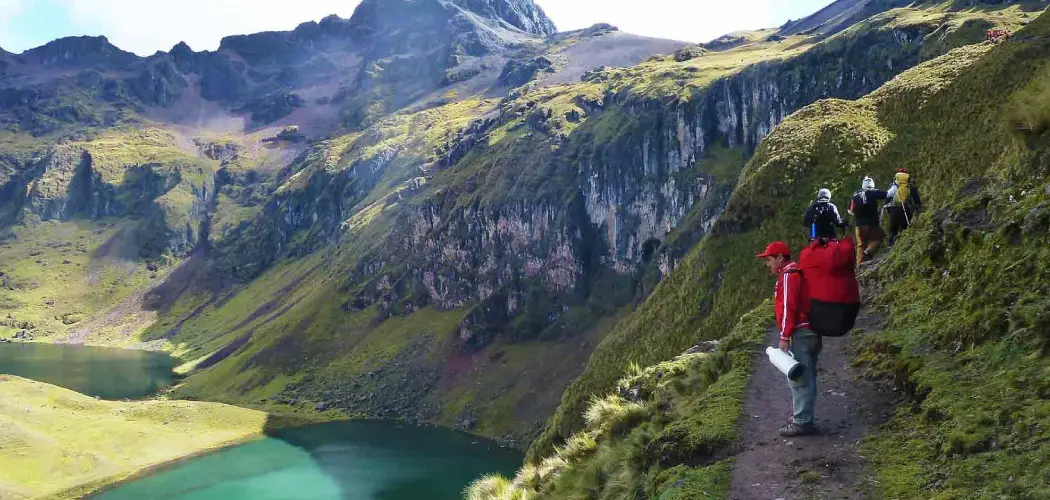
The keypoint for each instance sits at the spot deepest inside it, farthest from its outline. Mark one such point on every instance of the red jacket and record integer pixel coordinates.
(790, 301)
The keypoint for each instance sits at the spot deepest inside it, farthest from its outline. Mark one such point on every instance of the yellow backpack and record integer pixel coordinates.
(903, 189)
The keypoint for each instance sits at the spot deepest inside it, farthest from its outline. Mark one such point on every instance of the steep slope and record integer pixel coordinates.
(467, 267)
(659, 330)
(962, 296)
(838, 16)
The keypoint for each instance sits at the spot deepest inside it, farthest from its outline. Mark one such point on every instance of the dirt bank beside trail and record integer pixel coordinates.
(824, 466)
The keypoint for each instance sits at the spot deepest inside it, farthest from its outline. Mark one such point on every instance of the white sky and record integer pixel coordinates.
(146, 26)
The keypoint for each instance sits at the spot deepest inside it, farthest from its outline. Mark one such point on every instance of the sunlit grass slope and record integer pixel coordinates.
(53, 439)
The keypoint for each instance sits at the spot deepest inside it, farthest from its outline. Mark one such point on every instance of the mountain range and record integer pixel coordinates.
(448, 212)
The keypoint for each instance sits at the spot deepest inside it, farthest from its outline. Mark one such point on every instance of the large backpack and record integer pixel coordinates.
(829, 268)
(903, 196)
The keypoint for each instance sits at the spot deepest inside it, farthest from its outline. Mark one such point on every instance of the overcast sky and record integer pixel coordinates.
(146, 26)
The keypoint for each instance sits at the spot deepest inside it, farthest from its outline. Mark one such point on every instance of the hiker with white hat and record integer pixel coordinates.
(866, 215)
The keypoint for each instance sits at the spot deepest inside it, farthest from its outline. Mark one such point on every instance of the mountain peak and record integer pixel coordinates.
(524, 15)
(77, 51)
(373, 16)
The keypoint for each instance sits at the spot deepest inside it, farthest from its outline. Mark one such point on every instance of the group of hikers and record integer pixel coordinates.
(901, 203)
(818, 296)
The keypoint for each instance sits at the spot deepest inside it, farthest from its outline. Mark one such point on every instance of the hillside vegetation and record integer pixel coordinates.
(710, 289)
(962, 294)
(440, 212)
(558, 205)
(664, 433)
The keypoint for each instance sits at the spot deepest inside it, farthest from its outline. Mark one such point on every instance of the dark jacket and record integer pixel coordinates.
(864, 208)
(822, 217)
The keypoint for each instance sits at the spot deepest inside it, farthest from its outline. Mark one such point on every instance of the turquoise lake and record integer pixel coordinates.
(337, 461)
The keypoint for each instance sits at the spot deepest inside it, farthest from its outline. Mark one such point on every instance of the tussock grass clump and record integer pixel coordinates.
(579, 446)
(1028, 112)
(613, 414)
(492, 487)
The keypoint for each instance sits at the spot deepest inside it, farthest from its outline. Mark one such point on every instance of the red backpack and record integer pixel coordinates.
(829, 267)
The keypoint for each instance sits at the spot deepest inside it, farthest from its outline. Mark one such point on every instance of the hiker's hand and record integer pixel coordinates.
(784, 345)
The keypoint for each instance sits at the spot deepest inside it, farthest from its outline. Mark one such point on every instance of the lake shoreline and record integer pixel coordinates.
(113, 482)
(47, 420)
(119, 430)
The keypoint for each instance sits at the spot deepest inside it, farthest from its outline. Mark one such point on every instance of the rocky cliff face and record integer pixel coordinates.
(610, 205)
(140, 176)
(65, 185)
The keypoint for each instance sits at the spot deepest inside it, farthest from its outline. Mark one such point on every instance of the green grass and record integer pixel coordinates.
(1028, 111)
(638, 440)
(961, 292)
(965, 301)
(114, 151)
(381, 343)
(55, 439)
(58, 272)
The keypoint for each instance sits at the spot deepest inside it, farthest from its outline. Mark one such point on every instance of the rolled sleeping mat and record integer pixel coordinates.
(786, 363)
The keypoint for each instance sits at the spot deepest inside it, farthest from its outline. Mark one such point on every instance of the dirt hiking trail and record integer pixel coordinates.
(828, 465)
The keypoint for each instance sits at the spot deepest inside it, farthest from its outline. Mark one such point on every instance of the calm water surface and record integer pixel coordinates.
(344, 461)
(95, 371)
(337, 461)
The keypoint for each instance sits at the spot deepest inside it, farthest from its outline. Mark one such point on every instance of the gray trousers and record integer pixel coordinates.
(806, 346)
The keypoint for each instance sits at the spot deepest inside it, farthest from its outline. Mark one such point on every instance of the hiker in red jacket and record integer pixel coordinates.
(791, 305)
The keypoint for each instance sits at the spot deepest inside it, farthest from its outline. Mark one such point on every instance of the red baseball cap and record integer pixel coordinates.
(774, 249)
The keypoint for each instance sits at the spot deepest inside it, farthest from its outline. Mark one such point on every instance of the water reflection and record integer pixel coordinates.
(95, 371)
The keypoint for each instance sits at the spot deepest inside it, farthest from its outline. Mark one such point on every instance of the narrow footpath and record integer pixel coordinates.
(824, 466)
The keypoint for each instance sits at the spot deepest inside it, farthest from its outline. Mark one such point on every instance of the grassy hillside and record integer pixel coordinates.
(831, 144)
(664, 433)
(54, 439)
(962, 294)
(55, 275)
(458, 261)
(97, 221)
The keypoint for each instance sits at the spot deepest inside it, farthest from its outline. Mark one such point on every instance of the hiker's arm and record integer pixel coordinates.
(792, 292)
(838, 217)
(918, 198)
(807, 218)
(890, 195)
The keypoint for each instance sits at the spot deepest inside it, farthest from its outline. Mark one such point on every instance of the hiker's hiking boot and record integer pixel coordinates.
(792, 429)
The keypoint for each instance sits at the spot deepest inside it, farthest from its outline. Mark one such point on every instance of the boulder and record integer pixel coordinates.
(691, 52)
(517, 73)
